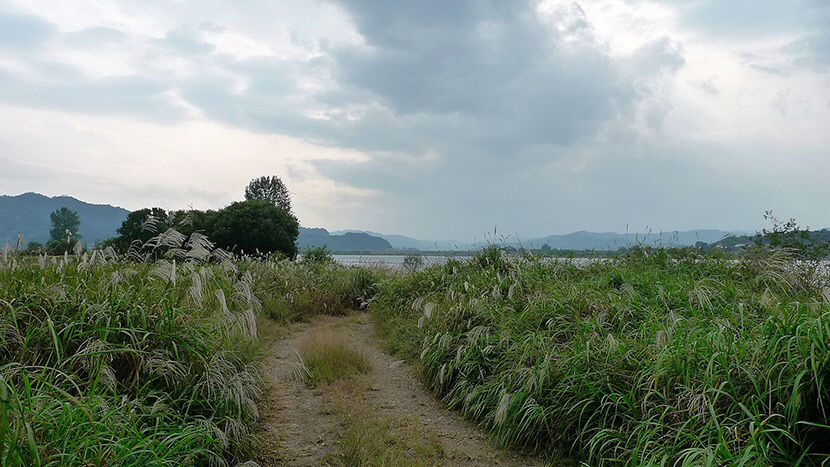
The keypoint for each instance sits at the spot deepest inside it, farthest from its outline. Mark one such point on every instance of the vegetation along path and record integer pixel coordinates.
(336, 398)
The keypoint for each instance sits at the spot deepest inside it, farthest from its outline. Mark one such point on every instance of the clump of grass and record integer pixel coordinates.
(294, 291)
(329, 357)
(369, 440)
(658, 357)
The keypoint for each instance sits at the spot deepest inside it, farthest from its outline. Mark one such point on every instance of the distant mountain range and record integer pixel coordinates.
(581, 240)
(28, 214)
(611, 241)
(347, 241)
(401, 242)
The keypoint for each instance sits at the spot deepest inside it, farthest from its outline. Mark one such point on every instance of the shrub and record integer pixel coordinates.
(317, 254)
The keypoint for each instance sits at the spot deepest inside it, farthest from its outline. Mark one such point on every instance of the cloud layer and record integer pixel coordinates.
(428, 118)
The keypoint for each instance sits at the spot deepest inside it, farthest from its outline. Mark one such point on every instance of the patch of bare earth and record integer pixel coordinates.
(383, 417)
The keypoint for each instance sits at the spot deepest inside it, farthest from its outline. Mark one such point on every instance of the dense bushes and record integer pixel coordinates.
(255, 227)
(655, 358)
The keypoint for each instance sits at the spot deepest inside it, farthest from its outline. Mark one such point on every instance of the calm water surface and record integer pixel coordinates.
(396, 261)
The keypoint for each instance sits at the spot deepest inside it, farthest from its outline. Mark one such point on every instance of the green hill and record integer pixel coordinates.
(28, 214)
(349, 241)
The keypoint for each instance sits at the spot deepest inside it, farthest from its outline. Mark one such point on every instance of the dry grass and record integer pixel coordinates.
(371, 439)
(338, 369)
(329, 357)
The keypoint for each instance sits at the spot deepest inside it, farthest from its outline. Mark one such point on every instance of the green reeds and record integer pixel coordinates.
(122, 363)
(660, 357)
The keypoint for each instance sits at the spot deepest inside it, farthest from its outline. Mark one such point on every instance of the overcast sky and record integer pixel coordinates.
(432, 119)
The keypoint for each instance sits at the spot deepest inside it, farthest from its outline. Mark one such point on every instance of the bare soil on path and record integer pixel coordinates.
(304, 426)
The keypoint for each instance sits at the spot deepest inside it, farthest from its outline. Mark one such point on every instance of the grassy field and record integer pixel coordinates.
(108, 360)
(660, 357)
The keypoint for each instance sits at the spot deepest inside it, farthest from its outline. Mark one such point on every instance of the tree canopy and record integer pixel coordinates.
(270, 189)
(64, 220)
(142, 225)
(256, 225)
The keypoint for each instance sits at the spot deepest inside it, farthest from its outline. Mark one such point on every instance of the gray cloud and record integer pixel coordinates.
(466, 102)
(808, 19)
(753, 18)
(493, 63)
(63, 87)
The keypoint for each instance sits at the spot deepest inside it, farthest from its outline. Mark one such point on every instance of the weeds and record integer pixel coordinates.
(369, 440)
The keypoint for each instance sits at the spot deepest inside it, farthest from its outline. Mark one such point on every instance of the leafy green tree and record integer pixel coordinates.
(65, 223)
(189, 221)
(270, 189)
(141, 225)
(256, 225)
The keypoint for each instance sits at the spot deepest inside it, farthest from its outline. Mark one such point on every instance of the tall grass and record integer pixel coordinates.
(150, 358)
(112, 362)
(293, 291)
(660, 357)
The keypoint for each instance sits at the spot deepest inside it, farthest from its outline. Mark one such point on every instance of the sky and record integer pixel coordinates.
(431, 119)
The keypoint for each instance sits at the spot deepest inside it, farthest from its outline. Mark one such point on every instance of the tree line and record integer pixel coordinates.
(262, 224)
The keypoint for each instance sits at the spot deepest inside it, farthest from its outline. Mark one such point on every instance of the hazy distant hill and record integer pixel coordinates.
(581, 240)
(29, 214)
(402, 242)
(349, 241)
(611, 241)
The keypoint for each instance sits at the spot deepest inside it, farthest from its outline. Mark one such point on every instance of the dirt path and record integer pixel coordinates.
(332, 424)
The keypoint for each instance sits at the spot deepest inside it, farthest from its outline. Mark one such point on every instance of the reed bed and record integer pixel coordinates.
(657, 358)
(292, 291)
(147, 358)
(112, 362)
